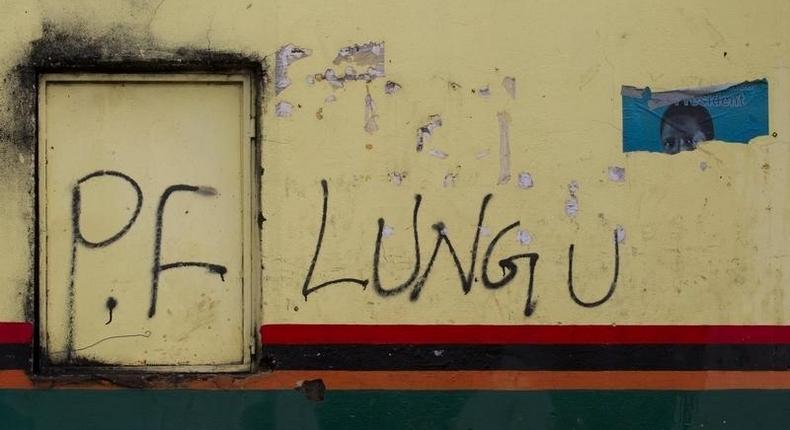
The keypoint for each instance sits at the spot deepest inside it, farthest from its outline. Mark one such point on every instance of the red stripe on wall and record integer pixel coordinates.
(16, 332)
(323, 334)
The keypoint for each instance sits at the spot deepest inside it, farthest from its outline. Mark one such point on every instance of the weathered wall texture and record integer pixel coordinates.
(519, 100)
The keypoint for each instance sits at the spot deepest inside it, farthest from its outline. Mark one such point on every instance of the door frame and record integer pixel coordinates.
(250, 191)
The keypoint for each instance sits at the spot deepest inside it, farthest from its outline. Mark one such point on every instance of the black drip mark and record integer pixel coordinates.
(78, 239)
(306, 288)
(377, 255)
(510, 269)
(611, 287)
(111, 304)
(158, 268)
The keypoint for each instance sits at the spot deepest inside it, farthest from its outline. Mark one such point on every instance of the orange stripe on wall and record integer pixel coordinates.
(439, 380)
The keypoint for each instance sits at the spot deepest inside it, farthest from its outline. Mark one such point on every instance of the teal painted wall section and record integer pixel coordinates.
(228, 410)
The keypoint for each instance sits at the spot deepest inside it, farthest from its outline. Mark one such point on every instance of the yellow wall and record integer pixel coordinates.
(700, 247)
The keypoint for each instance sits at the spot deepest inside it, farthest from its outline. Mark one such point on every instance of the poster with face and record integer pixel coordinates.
(679, 120)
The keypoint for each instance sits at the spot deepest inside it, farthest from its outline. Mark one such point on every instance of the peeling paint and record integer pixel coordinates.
(285, 56)
(449, 180)
(703, 165)
(482, 154)
(313, 389)
(330, 99)
(370, 55)
(483, 91)
(331, 77)
(620, 233)
(504, 147)
(485, 231)
(319, 114)
(572, 203)
(387, 231)
(523, 237)
(397, 178)
(283, 109)
(509, 84)
(309, 80)
(525, 180)
(438, 153)
(370, 114)
(391, 87)
(425, 132)
(616, 174)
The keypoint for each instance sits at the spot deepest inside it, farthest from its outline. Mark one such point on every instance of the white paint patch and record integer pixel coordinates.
(571, 207)
(283, 109)
(523, 237)
(425, 132)
(525, 180)
(309, 80)
(509, 84)
(370, 115)
(504, 147)
(484, 91)
(616, 174)
(620, 233)
(387, 231)
(703, 165)
(391, 87)
(572, 204)
(396, 178)
(438, 153)
(449, 180)
(285, 56)
(485, 231)
(438, 352)
(330, 99)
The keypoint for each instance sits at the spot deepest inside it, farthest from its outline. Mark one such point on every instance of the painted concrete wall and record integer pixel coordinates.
(497, 130)
(702, 239)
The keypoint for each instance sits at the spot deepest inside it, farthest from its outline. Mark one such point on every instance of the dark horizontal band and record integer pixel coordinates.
(15, 356)
(413, 334)
(528, 357)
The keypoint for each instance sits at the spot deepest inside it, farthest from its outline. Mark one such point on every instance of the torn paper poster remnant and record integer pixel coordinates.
(284, 57)
(369, 55)
(425, 132)
(679, 120)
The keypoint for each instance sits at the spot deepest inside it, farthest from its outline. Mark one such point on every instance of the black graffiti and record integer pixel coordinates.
(158, 268)
(306, 288)
(77, 238)
(613, 285)
(510, 269)
(417, 280)
(111, 304)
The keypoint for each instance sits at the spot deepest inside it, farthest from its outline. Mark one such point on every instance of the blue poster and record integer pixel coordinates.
(674, 121)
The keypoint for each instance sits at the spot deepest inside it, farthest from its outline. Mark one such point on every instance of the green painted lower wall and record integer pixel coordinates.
(227, 410)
